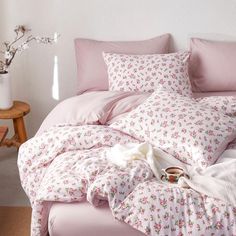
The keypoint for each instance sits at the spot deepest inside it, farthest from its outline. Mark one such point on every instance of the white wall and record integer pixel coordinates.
(32, 72)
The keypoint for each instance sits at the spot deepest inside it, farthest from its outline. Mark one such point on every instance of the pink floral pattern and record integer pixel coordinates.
(232, 145)
(69, 163)
(191, 132)
(145, 73)
(225, 104)
(157, 209)
(62, 164)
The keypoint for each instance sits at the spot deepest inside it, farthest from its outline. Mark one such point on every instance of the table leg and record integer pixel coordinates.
(19, 128)
(3, 133)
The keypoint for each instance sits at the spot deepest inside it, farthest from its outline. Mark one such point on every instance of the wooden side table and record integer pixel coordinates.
(3, 133)
(16, 113)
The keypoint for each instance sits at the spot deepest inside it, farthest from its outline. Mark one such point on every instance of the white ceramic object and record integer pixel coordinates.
(6, 101)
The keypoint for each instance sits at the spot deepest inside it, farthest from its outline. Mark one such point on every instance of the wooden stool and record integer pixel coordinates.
(16, 113)
(3, 133)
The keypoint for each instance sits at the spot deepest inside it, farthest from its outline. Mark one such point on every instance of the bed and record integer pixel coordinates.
(76, 188)
(78, 217)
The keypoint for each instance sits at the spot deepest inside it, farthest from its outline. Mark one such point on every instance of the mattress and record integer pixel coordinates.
(83, 219)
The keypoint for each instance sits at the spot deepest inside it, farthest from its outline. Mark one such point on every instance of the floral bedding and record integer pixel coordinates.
(194, 133)
(148, 72)
(69, 163)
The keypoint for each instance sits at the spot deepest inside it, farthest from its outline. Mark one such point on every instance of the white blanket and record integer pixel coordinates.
(218, 180)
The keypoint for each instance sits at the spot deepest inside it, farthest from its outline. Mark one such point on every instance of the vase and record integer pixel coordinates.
(6, 101)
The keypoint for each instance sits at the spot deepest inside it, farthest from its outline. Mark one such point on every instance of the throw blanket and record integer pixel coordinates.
(122, 155)
(70, 163)
(218, 180)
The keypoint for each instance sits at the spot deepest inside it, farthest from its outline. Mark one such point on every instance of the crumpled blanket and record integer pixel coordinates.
(218, 180)
(70, 163)
(123, 155)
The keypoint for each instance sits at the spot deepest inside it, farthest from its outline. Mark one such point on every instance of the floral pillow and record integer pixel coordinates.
(193, 133)
(225, 104)
(145, 73)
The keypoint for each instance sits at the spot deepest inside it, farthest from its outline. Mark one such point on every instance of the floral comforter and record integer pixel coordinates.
(69, 163)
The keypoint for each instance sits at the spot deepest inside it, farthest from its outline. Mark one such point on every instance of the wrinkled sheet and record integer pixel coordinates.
(213, 181)
(101, 107)
(69, 164)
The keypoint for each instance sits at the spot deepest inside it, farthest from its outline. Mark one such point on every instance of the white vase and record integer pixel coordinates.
(6, 101)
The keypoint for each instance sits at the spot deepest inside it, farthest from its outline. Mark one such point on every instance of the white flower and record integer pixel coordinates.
(38, 39)
(19, 45)
(25, 46)
(22, 47)
(7, 55)
(44, 40)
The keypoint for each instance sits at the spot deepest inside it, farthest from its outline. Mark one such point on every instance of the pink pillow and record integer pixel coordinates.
(191, 132)
(212, 65)
(92, 72)
(145, 73)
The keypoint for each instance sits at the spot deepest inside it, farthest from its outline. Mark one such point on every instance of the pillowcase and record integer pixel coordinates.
(225, 104)
(145, 73)
(180, 126)
(212, 65)
(91, 69)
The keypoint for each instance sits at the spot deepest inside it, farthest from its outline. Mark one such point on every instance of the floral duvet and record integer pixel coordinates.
(69, 164)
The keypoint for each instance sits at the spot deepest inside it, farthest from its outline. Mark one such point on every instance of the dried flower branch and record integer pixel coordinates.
(10, 49)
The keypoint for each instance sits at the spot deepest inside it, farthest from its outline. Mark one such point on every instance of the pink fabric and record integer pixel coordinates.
(101, 107)
(145, 73)
(232, 145)
(82, 219)
(212, 65)
(224, 104)
(70, 164)
(193, 133)
(208, 94)
(189, 212)
(136, 100)
(92, 73)
(125, 105)
(92, 108)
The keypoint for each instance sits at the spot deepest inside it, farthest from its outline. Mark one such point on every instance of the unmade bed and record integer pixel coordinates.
(181, 210)
(95, 166)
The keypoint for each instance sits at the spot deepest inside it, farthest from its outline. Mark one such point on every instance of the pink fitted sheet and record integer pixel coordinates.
(83, 219)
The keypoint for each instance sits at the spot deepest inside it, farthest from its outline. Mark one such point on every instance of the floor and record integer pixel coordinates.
(15, 212)
(15, 221)
(11, 192)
